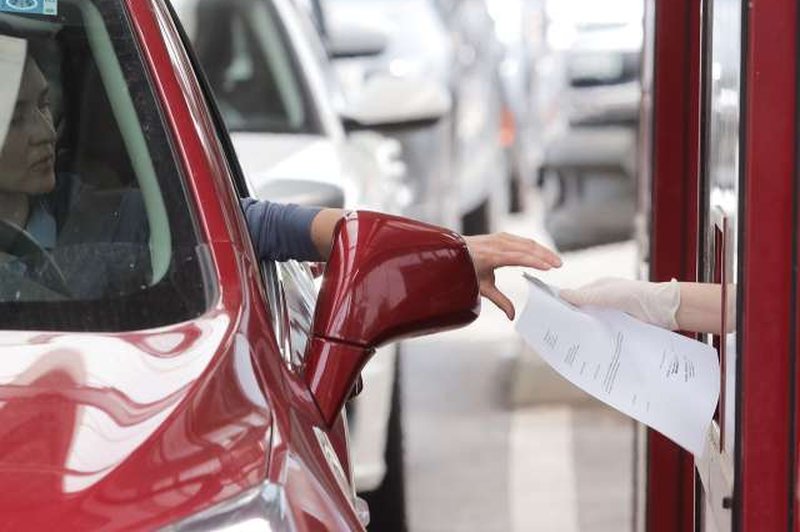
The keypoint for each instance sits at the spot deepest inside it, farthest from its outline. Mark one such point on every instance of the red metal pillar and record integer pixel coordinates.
(674, 224)
(764, 471)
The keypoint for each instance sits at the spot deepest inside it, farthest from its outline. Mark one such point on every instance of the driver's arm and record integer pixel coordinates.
(282, 232)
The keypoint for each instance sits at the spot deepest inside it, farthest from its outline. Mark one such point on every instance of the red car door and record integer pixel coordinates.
(142, 384)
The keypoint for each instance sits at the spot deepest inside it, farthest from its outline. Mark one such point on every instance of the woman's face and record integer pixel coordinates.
(27, 160)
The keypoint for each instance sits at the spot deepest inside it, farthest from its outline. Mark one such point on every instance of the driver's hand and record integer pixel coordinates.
(490, 252)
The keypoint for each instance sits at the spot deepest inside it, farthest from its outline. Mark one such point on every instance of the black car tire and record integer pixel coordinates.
(387, 504)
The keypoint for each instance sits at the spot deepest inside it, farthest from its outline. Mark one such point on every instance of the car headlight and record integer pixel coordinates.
(264, 509)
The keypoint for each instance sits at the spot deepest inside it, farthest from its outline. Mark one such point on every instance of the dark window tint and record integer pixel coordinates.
(95, 233)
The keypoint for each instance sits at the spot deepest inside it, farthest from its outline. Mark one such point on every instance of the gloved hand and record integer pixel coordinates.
(654, 303)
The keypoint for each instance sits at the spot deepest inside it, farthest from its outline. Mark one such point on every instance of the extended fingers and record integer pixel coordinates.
(513, 250)
(576, 297)
(607, 292)
(493, 294)
(500, 259)
(528, 246)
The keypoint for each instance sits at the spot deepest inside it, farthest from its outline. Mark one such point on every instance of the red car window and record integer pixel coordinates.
(95, 233)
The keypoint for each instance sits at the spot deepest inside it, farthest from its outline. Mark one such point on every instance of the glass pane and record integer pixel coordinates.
(249, 64)
(92, 213)
(722, 176)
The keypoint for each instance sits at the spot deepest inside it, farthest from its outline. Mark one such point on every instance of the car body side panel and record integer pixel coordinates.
(295, 414)
(85, 443)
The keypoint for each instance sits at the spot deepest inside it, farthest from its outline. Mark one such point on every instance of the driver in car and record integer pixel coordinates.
(27, 160)
(279, 232)
(45, 222)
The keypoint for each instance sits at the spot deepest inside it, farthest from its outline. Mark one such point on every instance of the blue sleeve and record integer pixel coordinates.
(281, 232)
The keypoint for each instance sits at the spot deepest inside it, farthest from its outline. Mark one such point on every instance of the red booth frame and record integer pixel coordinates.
(765, 464)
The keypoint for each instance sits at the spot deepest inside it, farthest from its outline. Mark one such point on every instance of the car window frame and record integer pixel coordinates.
(267, 281)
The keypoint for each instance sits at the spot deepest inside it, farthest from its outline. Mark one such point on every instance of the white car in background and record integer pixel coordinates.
(458, 167)
(269, 73)
(278, 106)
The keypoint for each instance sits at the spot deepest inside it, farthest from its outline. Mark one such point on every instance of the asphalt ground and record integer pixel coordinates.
(495, 440)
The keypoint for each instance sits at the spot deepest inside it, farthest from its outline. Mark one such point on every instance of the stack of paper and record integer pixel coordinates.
(660, 378)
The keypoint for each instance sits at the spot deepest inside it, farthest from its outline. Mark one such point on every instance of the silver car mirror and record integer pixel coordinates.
(387, 101)
(348, 39)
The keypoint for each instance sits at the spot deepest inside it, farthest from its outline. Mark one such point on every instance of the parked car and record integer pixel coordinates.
(589, 169)
(278, 105)
(484, 127)
(459, 156)
(151, 376)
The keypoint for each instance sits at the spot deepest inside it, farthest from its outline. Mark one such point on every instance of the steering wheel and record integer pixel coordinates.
(24, 246)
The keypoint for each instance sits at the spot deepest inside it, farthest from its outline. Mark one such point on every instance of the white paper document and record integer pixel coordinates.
(660, 378)
(12, 62)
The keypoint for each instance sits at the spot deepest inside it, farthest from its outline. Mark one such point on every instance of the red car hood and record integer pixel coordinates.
(127, 429)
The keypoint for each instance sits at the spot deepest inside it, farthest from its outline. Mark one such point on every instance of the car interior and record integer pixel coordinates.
(94, 173)
(115, 233)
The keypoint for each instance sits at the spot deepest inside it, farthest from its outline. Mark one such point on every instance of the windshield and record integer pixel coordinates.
(94, 228)
(250, 65)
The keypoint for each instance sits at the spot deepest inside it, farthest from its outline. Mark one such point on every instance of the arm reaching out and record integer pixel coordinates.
(693, 307)
(488, 252)
(498, 250)
(700, 308)
(322, 227)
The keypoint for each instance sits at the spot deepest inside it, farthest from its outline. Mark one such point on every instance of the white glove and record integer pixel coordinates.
(654, 303)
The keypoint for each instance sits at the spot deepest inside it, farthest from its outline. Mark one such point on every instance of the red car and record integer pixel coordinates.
(148, 368)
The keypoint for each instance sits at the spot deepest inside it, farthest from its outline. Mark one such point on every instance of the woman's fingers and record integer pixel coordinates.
(518, 258)
(490, 252)
(606, 292)
(503, 249)
(575, 297)
(529, 246)
(493, 294)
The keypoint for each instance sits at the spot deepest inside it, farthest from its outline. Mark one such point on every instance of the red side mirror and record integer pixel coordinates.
(387, 278)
